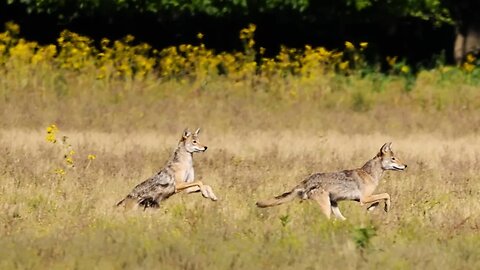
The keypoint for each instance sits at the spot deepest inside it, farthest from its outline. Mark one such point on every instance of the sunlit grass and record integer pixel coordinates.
(70, 221)
(118, 109)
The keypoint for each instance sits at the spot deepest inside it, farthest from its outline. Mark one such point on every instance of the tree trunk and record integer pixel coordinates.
(467, 40)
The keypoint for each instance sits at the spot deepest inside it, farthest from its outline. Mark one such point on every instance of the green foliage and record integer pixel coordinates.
(362, 236)
(67, 9)
(430, 10)
(433, 10)
(284, 219)
(360, 4)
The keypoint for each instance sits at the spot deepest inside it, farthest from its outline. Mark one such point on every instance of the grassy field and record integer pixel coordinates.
(256, 150)
(265, 131)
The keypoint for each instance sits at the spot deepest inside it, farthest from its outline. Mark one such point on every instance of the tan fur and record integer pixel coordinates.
(176, 176)
(357, 185)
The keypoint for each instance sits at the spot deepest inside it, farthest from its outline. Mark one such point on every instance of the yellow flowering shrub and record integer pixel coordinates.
(129, 60)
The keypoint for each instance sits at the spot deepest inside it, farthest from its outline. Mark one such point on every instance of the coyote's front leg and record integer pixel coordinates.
(206, 190)
(179, 186)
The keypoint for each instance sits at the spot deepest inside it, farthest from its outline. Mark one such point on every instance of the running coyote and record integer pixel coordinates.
(176, 176)
(354, 185)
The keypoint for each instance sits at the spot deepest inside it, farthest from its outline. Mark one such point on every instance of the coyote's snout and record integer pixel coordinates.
(355, 185)
(176, 176)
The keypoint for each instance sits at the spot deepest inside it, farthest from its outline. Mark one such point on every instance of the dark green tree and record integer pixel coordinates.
(463, 14)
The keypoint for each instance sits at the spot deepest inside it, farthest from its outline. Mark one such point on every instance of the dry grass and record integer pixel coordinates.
(254, 152)
(265, 132)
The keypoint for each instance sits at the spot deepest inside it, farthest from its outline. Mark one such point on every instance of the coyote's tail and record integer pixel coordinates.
(120, 202)
(285, 197)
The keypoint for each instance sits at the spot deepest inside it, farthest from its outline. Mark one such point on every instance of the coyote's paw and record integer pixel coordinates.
(373, 206)
(387, 205)
(207, 192)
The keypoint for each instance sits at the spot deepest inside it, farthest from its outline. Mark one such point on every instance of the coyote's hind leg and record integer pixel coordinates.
(336, 211)
(376, 198)
(372, 206)
(323, 199)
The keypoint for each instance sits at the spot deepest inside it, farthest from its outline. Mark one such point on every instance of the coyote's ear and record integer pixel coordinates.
(386, 148)
(186, 134)
(196, 132)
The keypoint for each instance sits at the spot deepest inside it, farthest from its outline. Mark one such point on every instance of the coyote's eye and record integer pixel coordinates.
(393, 158)
(194, 141)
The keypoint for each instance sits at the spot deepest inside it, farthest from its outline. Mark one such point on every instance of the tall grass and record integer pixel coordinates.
(67, 221)
(265, 132)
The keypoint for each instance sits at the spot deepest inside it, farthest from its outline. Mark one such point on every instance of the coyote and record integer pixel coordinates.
(176, 176)
(354, 185)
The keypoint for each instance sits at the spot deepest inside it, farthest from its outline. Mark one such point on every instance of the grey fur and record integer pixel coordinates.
(327, 189)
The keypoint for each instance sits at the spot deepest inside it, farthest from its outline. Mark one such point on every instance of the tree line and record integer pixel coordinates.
(416, 30)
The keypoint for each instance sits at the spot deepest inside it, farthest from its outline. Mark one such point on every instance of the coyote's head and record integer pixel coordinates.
(389, 160)
(191, 142)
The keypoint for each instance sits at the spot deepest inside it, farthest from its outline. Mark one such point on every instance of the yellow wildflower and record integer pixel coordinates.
(248, 32)
(405, 69)
(349, 45)
(91, 157)
(392, 60)
(12, 27)
(183, 48)
(337, 55)
(468, 67)
(252, 27)
(200, 36)
(343, 65)
(325, 53)
(51, 138)
(69, 160)
(50, 51)
(51, 132)
(470, 58)
(129, 38)
(52, 128)
(363, 45)
(104, 42)
(59, 171)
